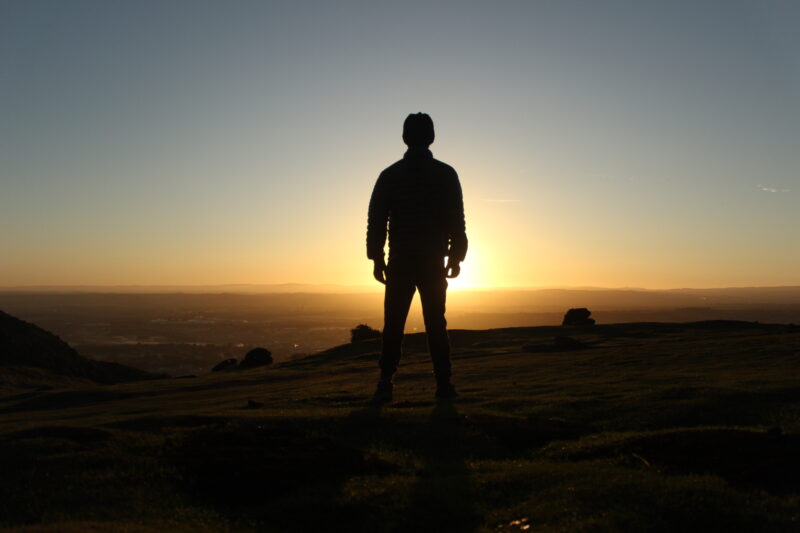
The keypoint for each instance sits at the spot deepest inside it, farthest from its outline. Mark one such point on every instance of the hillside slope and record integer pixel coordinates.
(633, 427)
(30, 354)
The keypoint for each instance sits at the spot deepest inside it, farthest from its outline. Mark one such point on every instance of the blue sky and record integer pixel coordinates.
(637, 143)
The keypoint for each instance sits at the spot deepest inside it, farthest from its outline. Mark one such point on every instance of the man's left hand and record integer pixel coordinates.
(453, 269)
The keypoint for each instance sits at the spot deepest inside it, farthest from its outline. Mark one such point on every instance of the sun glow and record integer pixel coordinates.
(473, 273)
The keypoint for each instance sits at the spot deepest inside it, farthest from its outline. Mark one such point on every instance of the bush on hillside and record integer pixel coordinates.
(363, 332)
(256, 357)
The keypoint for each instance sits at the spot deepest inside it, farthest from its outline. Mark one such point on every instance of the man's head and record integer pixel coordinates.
(418, 130)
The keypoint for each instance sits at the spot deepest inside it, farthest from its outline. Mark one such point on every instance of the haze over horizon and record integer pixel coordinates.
(628, 144)
(332, 288)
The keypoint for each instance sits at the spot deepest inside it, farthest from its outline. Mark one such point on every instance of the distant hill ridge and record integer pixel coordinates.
(23, 344)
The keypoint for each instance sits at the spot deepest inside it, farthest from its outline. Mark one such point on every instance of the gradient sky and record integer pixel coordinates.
(648, 144)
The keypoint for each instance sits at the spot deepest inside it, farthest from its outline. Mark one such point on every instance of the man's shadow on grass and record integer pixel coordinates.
(442, 497)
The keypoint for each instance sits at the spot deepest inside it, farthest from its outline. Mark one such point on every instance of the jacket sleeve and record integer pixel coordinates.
(457, 249)
(377, 219)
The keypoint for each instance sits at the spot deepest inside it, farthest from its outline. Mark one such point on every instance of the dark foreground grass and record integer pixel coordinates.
(636, 427)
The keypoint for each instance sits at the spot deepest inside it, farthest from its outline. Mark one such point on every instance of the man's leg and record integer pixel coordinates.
(433, 294)
(397, 300)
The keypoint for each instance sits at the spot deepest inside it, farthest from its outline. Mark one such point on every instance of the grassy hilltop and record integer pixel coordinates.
(643, 427)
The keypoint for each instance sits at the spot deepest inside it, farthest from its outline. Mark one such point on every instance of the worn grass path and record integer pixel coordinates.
(648, 427)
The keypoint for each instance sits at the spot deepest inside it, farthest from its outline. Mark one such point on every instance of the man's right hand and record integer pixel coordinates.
(379, 270)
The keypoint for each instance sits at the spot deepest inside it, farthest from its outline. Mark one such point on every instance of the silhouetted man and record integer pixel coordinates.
(420, 200)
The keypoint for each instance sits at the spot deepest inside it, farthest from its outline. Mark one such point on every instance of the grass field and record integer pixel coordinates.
(646, 427)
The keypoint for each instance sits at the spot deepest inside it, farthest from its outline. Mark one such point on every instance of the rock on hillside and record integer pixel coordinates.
(26, 345)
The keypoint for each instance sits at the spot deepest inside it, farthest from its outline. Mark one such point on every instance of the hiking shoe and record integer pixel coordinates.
(383, 393)
(445, 391)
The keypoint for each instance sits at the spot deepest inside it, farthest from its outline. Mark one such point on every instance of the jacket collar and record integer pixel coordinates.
(418, 153)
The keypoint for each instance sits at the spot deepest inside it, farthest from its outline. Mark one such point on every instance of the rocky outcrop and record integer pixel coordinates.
(578, 317)
(256, 357)
(227, 364)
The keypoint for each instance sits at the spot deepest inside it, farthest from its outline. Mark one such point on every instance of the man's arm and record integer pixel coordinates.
(456, 229)
(377, 220)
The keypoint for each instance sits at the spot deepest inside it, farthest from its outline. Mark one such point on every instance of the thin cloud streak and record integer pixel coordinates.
(773, 190)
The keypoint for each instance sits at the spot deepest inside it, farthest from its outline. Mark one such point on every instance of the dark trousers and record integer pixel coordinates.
(403, 277)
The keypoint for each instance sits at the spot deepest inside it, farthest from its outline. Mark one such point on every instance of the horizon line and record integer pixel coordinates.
(298, 287)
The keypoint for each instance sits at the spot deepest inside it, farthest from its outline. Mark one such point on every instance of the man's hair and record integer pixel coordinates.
(418, 130)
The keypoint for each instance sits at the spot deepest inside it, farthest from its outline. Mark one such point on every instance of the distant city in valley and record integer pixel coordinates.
(187, 330)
